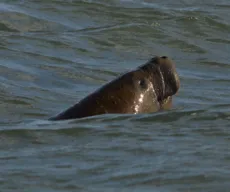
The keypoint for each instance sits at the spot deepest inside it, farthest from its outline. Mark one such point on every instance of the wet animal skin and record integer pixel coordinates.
(148, 88)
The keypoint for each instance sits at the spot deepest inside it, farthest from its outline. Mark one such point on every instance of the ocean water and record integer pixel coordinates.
(54, 53)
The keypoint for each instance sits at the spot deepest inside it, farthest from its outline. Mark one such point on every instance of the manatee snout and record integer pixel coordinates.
(170, 75)
(169, 78)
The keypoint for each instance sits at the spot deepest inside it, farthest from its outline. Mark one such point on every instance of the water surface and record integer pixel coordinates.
(53, 53)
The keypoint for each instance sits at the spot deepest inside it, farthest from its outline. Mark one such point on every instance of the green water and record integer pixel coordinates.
(53, 53)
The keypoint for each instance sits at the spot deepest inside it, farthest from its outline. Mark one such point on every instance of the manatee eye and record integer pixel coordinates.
(143, 84)
(164, 57)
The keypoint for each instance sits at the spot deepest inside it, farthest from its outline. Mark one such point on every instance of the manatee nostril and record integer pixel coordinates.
(164, 57)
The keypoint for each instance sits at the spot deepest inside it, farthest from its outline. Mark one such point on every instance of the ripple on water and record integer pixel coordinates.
(55, 53)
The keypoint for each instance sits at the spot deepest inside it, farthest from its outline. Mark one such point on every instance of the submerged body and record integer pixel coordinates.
(148, 88)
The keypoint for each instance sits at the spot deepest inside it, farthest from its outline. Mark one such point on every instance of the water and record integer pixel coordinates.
(53, 53)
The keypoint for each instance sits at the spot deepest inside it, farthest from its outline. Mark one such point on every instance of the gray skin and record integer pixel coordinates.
(148, 88)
